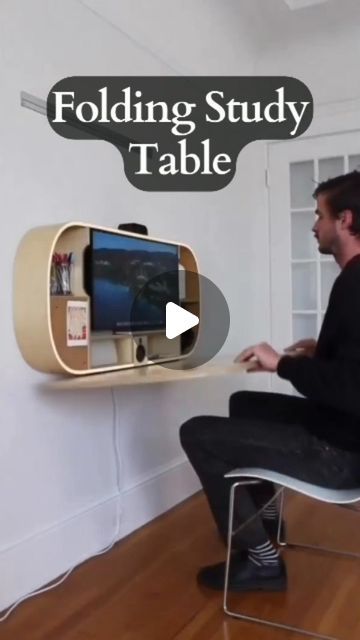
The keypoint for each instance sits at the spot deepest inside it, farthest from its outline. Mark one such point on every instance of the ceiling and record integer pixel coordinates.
(300, 4)
(186, 33)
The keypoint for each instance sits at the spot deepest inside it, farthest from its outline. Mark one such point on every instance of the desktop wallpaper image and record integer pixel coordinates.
(121, 267)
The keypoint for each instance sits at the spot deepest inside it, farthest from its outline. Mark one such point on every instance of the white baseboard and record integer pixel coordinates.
(31, 563)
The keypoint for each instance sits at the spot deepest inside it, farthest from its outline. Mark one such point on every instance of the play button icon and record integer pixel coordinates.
(183, 314)
(178, 320)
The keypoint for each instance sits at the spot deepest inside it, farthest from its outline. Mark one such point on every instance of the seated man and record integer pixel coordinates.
(315, 438)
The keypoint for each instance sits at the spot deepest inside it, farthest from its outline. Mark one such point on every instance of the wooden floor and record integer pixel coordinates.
(145, 587)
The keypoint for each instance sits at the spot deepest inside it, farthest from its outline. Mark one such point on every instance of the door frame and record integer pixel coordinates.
(331, 119)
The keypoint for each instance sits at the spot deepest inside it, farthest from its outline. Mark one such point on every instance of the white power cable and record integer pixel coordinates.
(118, 467)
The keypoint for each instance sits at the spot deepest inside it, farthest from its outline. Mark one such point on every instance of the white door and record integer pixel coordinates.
(301, 279)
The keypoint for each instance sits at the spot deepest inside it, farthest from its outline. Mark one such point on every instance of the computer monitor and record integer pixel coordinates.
(119, 267)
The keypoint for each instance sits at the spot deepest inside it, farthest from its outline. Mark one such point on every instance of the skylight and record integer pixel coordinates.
(300, 4)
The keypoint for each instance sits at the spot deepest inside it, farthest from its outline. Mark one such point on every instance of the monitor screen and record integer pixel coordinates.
(120, 267)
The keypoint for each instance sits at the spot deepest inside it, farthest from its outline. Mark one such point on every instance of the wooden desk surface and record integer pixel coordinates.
(145, 375)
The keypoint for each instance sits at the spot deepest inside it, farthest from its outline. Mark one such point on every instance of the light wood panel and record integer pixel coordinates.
(147, 375)
(75, 357)
(31, 298)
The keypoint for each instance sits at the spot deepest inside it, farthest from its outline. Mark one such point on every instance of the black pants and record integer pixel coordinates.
(272, 431)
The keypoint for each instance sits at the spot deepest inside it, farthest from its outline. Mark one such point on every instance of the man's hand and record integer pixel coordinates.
(264, 357)
(302, 348)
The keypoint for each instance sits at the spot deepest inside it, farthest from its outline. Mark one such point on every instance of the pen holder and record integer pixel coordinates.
(64, 279)
(60, 274)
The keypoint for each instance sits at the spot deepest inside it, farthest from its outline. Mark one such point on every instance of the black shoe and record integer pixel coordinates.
(271, 528)
(245, 575)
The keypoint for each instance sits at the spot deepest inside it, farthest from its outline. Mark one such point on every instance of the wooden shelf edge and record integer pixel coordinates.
(150, 374)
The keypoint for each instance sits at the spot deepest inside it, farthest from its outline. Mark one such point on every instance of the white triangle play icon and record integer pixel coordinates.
(178, 320)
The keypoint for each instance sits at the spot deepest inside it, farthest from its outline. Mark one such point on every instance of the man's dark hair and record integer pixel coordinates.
(343, 192)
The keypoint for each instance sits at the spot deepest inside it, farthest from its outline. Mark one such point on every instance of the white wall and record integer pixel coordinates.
(58, 489)
(327, 62)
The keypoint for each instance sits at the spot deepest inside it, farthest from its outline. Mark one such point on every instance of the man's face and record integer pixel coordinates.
(326, 228)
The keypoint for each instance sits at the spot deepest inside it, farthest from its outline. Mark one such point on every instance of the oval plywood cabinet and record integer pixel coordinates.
(82, 326)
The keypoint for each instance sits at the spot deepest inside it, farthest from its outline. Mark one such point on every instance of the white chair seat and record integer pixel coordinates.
(249, 475)
(336, 496)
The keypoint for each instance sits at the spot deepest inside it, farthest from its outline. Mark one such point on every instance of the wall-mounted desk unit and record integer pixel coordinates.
(41, 319)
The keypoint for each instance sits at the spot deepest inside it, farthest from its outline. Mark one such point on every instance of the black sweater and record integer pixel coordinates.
(331, 378)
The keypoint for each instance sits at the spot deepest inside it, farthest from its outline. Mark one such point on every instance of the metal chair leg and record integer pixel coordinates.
(241, 616)
(281, 542)
(302, 545)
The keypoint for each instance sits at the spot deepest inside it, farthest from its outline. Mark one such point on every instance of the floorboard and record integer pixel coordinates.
(145, 587)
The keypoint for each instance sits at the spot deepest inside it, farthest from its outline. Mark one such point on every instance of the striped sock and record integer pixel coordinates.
(264, 554)
(270, 512)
